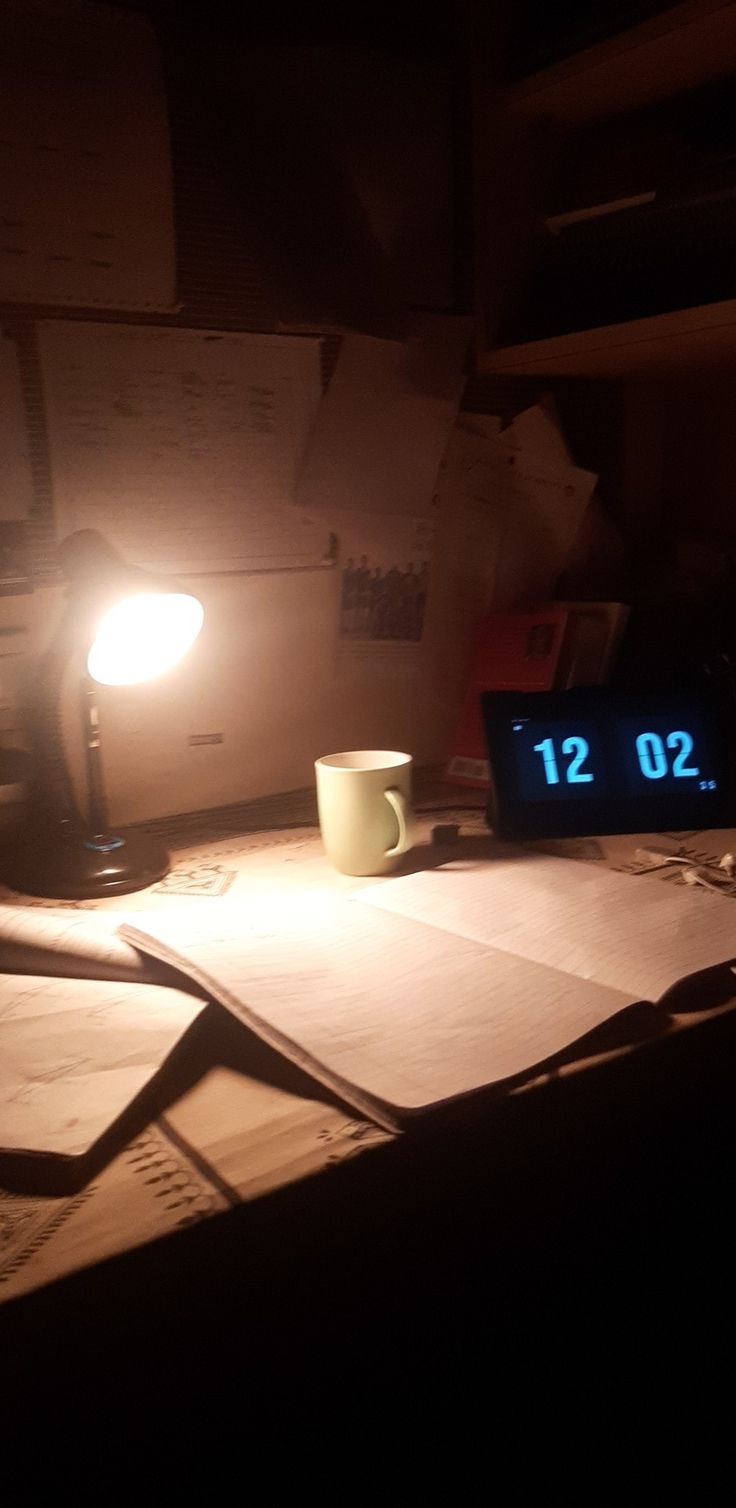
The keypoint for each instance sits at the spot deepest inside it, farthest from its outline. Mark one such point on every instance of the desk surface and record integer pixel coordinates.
(228, 1120)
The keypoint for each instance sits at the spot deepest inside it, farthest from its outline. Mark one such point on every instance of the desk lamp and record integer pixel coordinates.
(131, 627)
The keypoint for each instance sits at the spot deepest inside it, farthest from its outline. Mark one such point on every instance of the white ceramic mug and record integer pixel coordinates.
(364, 801)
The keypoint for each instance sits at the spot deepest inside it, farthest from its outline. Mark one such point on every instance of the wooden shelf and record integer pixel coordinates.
(683, 342)
(687, 45)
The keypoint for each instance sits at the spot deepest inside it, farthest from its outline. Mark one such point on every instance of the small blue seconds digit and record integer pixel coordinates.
(580, 748)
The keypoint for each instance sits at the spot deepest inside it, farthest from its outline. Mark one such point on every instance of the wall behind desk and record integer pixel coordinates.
(263, 679)
(341, 250)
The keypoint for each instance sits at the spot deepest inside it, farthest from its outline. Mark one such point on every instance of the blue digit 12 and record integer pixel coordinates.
(575, 774)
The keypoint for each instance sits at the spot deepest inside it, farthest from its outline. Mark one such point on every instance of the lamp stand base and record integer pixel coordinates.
(71, 866)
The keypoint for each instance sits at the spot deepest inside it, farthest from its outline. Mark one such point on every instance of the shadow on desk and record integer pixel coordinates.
(583, 1226)
(215, 1040)
(450, 846)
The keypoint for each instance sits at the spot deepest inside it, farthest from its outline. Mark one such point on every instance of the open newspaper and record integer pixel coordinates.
(437, 984)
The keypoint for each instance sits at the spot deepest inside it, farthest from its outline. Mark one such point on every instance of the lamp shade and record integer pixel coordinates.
(143, 635)
(132, 625)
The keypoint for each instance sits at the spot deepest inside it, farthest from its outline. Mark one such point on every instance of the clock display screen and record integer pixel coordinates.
(601, 760)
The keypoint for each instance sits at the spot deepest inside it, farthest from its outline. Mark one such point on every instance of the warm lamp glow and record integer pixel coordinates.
(142, 636)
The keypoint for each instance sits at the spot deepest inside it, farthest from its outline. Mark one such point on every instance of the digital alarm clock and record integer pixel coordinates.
(603, 760)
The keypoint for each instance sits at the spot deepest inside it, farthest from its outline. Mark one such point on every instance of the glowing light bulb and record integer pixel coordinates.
(143, 636)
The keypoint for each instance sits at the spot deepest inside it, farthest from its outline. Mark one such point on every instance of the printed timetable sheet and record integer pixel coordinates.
(183, 446)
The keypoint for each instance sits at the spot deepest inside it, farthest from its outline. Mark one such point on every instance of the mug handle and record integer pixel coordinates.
(397, 800)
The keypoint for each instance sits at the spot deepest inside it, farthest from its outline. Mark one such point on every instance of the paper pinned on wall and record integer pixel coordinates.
(506, 522)
(537, 430)
(15, 471)
(385, 420)
(85, 180)
(537, 506)
(487, 425)
(468, 543)
(183, 446)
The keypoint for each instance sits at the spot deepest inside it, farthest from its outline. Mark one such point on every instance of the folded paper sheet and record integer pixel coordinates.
(81, 1036)
(75, 1053)
(77, 944)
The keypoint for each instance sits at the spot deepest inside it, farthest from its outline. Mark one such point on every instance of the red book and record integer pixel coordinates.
(513, 652)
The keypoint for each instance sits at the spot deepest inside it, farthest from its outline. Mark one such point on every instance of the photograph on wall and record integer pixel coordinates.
(384, 578)
(382, 594)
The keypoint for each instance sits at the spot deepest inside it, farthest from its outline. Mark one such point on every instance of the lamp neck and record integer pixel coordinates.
(53, 798)
(97, 802)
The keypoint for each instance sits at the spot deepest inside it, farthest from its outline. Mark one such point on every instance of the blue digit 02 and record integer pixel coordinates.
(653, 759)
